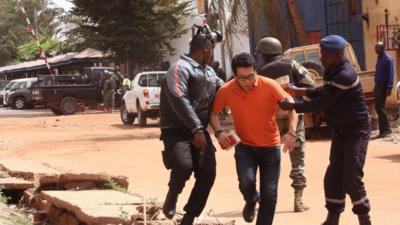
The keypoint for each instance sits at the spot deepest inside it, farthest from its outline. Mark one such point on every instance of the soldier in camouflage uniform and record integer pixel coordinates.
(277, 66)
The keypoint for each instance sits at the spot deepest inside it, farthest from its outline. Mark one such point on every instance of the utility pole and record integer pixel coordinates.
(35, 21)
(221, 27)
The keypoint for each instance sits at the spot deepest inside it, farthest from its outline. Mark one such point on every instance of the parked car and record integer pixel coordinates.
(20, 95)
(143, 98)
(7, 90)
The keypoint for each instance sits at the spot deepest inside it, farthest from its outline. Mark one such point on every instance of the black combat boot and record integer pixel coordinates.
(187, 220)
(332, 219)
(364, 219)
(170, 204)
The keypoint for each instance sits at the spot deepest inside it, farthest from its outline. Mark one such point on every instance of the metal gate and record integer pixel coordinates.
(343, 21)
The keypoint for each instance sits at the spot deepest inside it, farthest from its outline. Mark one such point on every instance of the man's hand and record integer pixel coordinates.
(388, 91)
(295, 91)
(223, 140)
(288, 141)
(286, 105)
(199, 139)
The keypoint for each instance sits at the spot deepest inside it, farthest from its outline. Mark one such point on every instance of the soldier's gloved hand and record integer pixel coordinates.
(286, 105)
(388, 91)
(199, 139)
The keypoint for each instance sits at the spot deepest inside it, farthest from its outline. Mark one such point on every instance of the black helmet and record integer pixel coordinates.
(269, 46)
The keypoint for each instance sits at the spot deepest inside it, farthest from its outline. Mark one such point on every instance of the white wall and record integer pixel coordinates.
(241, 44)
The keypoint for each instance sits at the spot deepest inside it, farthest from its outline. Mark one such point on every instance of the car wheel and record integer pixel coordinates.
(316, 70)
(127, 118)
(19, 103)
(68, 105)
(141, 116)
(56, 111)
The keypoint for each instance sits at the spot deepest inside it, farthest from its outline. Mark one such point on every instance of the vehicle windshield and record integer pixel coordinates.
(10, 85)
(21, 84)
(150, 80)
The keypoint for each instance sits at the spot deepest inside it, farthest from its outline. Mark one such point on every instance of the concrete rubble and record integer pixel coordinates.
(83, 198)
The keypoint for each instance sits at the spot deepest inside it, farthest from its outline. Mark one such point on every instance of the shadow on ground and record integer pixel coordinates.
(134, 126)
(394, 158)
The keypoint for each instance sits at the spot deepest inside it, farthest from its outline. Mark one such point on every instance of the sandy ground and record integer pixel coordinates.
(97, 142)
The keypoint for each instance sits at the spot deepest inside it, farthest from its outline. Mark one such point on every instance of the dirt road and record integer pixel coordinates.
(97, 142)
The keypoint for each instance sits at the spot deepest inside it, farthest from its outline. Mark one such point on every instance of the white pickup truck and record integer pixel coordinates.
(142, 100)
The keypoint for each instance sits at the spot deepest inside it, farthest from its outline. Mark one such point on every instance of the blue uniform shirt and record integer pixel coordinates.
(384, 70)
(341, 98)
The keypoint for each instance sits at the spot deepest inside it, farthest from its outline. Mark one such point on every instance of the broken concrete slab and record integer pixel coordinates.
(25, 168)
(12, 183)
(95, 207)
(208, 220)
(79, 181)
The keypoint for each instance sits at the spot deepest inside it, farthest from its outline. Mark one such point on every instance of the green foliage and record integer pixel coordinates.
(30, 51)
(138, 30)
(124, 215)
(13, 27)
(17, 219)
(3, 198)
(115, 186)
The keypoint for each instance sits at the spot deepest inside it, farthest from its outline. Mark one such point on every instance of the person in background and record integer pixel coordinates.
(383, 87)
(165, 65)
(218, 70)
(109, 90)
(126, 84)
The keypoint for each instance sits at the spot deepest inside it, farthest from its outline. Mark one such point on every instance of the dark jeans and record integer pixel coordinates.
(380, 101)
(345, 171)
(183, 160)
(248, 160)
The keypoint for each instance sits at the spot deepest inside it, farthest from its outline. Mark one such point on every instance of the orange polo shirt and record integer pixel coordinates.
(253, 112)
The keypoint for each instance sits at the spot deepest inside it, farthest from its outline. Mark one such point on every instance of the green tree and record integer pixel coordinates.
(135, 30)
(29, 51)
(13, 27)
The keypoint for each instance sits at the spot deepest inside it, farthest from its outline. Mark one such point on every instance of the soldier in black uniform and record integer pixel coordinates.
(346, 111)
(187, 94)
(277, 66)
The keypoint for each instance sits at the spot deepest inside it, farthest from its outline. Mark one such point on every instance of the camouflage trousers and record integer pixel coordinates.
(109, 99)
(297, 155)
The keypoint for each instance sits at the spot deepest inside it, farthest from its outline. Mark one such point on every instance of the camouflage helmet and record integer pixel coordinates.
(269, 46)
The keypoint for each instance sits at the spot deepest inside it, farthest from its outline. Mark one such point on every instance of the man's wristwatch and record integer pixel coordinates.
(218, 132)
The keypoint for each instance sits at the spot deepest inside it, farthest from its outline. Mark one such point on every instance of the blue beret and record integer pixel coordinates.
(333, 43)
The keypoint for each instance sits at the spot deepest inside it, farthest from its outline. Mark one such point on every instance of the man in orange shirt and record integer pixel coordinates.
(253, 101)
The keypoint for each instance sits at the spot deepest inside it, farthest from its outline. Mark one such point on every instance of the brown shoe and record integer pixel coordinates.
(298, 201)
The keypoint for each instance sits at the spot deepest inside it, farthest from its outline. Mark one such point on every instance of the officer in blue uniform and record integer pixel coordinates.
(346, 111)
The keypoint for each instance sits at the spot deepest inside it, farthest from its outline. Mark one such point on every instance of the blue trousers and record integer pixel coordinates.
(248, 160)
(345, 171)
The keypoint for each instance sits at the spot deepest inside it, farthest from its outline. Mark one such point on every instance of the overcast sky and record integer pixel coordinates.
(66, 4)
